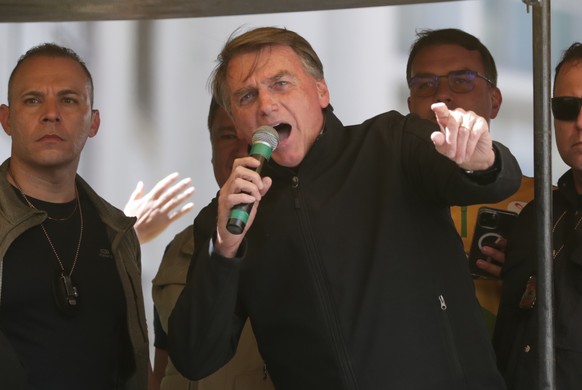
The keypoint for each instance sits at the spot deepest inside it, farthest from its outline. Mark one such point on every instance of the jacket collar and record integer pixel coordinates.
(11, 207)
(14, 210)
(568, 190)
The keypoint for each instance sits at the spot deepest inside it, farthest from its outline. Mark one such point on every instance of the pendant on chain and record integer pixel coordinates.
(65, 294)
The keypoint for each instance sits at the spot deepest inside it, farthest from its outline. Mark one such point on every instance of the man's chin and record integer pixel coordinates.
(287, 160)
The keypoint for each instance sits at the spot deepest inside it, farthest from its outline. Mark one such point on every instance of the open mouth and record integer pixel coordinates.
(283, 129)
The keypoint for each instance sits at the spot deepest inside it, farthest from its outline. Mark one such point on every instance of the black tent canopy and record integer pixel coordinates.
(84, 10)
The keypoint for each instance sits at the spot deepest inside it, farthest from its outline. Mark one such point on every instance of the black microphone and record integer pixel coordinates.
(264, 141)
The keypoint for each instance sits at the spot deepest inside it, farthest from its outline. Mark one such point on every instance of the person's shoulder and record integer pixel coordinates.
(105, 209)
(392, 122)
(184, 240)
(207, 216)
(391, 116)
(176, 259)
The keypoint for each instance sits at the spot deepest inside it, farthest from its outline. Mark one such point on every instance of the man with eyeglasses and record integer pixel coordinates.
(454, 67)
(515, 339)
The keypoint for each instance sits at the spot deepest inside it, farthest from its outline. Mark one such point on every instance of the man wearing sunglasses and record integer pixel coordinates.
(515, 338)
(454, 67)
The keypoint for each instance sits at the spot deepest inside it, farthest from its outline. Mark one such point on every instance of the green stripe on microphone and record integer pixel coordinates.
(261, 149)
(239, 214)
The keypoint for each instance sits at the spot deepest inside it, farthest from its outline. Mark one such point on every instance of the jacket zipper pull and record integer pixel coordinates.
(295, 186)
(443, 303)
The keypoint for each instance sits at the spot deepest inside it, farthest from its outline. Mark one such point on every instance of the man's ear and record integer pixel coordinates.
(496, 99)
(5, 119)
(95, 122)
(323, 93)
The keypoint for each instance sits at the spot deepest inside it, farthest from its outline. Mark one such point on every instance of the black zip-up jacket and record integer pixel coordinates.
(352, 273)
(516, 331)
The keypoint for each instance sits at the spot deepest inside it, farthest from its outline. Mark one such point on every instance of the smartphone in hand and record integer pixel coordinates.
(491, 225)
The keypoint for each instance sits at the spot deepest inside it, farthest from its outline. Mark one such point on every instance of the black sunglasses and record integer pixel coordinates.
(460, 81)
(566, 108)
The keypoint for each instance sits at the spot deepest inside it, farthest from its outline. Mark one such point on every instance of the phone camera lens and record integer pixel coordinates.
(488, 220)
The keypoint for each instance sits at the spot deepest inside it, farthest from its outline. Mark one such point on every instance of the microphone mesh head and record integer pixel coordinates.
(267, 135)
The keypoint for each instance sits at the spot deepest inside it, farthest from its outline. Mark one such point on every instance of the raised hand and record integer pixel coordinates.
(156, 210)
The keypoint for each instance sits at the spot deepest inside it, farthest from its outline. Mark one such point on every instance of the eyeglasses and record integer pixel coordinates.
(566, 108)
(460, 81)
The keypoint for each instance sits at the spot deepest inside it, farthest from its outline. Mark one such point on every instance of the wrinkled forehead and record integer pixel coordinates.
(39, 71)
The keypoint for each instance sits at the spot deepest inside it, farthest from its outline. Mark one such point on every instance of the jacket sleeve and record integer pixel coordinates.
(203, 329)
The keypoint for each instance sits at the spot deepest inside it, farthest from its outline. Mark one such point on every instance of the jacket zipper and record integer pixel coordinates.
(325, 296)
(449, 339)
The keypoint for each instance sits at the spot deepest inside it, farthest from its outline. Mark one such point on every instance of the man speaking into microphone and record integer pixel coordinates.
(329, 268)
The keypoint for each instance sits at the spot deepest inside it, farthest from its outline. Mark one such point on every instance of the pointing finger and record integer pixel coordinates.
(442, 113)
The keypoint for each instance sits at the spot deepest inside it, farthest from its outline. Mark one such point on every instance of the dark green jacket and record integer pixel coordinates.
(16, 218)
